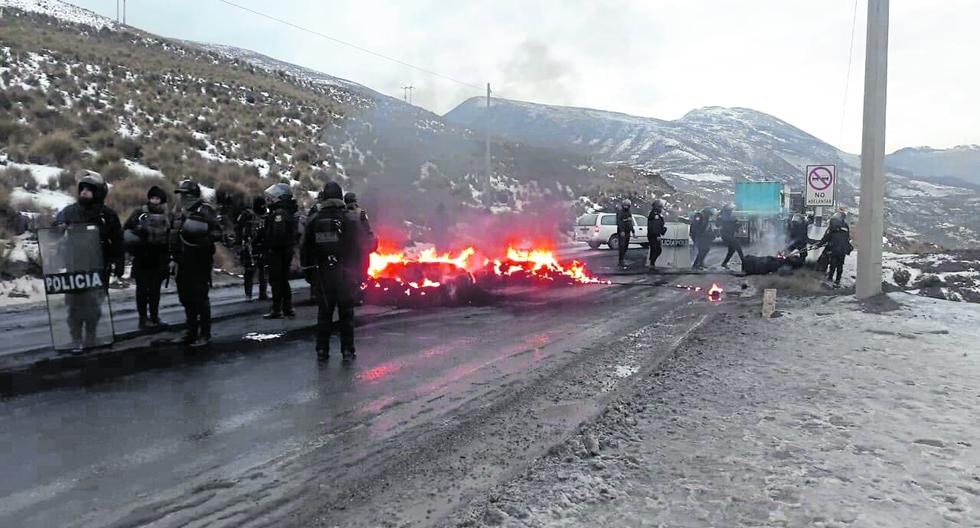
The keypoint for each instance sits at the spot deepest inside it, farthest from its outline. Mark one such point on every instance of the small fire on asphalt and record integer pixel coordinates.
(715, 292)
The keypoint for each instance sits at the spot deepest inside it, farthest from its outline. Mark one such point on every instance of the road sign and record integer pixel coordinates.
(821, 185)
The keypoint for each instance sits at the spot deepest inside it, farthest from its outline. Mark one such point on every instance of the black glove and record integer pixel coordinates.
(310, 275)
(120, 269)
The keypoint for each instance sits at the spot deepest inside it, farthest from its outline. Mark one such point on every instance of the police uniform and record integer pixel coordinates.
(194, 232)
(279, 234)
(328, 253)
(85, 308)
(149, 226)
(624, 228)
(656, 228)
(367, 243)
(249, 227)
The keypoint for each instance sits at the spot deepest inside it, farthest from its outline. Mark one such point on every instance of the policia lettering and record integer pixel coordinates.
(73, 282)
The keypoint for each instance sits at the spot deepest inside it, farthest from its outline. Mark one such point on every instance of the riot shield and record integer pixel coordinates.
(75, 281)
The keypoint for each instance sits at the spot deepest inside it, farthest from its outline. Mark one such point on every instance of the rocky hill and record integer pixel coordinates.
(708, 149)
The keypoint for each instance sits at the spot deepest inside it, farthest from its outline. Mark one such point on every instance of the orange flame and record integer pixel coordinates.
(430, 269)
(714, 292)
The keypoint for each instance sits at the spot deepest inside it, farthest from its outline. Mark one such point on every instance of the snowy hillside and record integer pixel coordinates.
(137, 105)
(62, 11)
(708, 149)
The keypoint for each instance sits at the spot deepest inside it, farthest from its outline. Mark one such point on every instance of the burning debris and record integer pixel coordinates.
(452, 277)
(715, 292)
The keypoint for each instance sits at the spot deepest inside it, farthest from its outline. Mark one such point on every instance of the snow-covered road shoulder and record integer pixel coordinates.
(834, 414)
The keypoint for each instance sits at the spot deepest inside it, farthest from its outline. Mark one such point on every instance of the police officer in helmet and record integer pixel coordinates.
(193, 234)
(798, 234)
(367, 243)
(279, 235)
(702, 235)
(249, 227)
(624, 230)
(329, 257)
(728, 225)
(147, 233)
(85, 308)
(656, 228)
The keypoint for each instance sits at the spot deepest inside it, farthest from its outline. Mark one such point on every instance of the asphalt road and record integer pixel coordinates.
(440, 404)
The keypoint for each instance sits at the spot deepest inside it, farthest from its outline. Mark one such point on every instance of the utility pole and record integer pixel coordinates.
(124, 12)
(489, 169)
(117, 10)
(407, 93)
(872, 221)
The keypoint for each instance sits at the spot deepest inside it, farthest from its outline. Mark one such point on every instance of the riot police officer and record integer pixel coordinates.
(147, 232)
(702, 235)
(799, 238)
(249, 227)
(279, 234)
(85, 308)
(193, 234)
(837, 240)
(656, 228)
(328, 254)
(728, 225)
(624, 230)
(367, 243)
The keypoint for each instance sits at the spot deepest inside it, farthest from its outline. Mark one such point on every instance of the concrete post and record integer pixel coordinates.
(872, 211)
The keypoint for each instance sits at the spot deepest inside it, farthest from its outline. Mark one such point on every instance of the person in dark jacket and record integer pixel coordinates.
(280, 236)
(249, 227)
(193, 235)
(656, 228)
(702, 235)
(148, 227)
(624, 229)
(367, 243)
(837, 241)
(328, 255)
(728, 225)
(798, 234)
(85, 308)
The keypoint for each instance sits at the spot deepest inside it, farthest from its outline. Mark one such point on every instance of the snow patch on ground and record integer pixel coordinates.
(43, 199)
(41, 173)
(255, 336)
(141, 170)
(625, 371)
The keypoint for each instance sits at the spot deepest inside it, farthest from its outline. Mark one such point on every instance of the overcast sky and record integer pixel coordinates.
(658, 58)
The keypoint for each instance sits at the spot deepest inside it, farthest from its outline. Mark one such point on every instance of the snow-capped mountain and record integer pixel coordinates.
(957, 165)
(705, 151)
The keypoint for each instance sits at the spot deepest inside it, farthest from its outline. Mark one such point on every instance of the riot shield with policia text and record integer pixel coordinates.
(75, 281)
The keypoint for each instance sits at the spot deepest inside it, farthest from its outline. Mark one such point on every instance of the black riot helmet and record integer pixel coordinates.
(728, 209)
(709, 212)
(657, 206)
(627, 204)
(798, 219)
(836, 223)
(188, 187)
(350, 198)
(94, 182)
(278, 193)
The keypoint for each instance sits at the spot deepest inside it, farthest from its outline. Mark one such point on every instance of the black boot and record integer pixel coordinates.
(272, 315)
(322, 354)
(348, 355)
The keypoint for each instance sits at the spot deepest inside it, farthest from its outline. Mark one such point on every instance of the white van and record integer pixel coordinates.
(597, 229)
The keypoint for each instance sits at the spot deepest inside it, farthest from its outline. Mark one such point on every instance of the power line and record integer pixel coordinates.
(350, 45)
(847, 78)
